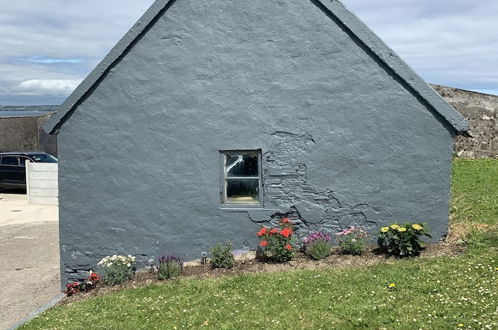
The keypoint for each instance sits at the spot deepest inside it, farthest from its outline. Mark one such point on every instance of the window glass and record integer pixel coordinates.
(242, 165)
(242, 191)
(241, 178)
(44, 158)
(9, 160)
(22, 161)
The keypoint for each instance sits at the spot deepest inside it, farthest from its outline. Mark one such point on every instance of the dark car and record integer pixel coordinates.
(12, 167)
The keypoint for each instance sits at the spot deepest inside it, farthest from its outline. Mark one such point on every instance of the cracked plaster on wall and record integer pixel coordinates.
(288, 192)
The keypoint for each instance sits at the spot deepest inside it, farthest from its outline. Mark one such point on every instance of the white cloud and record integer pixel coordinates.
(46, 46)
(53, 87)
(449, 43)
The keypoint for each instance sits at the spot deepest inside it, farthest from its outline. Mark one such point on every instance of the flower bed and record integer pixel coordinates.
(249, 264)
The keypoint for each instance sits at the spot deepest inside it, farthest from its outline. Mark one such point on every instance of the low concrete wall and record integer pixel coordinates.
(42, 183)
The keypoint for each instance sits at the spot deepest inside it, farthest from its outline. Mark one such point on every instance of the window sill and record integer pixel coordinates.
(233, 207)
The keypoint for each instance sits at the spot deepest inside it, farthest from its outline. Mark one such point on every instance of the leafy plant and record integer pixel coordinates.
(276, 243)
(88, 284)
(317, 245)
(169, 267)
(222, 256)
(72, 288)
(352, 241)
(403, 240)
(116, 269)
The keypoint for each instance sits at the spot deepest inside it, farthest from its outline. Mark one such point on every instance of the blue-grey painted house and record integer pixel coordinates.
(211, 117)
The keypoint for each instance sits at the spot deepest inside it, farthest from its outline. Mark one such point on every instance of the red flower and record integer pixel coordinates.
(262, 232)
(263, 243)
(288, 247)
(94, 277)
(273, 231)
(286, 232)
(72, 288)
(285, 220)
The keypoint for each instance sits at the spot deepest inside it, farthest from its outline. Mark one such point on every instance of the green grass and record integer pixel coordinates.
(475, 192)
(440, 293)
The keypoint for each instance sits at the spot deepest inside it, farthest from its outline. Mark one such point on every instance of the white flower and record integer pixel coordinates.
(128, 264)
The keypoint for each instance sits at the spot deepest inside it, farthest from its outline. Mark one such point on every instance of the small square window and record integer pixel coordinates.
(242, 184)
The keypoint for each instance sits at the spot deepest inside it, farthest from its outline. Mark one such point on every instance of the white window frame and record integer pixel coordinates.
(224, 178)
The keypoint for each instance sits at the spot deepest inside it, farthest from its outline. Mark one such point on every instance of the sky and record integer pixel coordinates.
(48, 47)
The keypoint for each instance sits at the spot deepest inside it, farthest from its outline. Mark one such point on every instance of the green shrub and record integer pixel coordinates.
(317, 245)
(352, 241)
(403, 240)
(169, 267)
(222, 256)
(116, 269)
(318, 250)
(276, 243)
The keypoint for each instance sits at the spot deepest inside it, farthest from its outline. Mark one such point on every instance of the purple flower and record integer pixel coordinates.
(318, 236)
(168, 259)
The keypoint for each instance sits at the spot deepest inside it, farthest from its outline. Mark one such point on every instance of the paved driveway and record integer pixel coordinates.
(29, 257)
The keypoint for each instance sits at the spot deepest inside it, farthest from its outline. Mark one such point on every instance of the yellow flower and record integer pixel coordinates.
(461, 325)
(394, 226)
(392, 285)
(417, 227)
(401, 229)
(384, 229)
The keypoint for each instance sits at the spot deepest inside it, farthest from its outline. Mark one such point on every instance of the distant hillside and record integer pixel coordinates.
(482, 111)
(22, 111)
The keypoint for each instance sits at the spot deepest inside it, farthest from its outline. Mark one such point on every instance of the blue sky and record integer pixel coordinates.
(48, 47)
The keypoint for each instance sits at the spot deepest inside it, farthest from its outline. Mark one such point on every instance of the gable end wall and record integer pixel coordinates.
(343, 141)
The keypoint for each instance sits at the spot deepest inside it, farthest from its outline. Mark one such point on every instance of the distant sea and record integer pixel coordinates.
(26, 111)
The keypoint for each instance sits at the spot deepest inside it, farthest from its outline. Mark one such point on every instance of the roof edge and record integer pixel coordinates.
(335, 8)
(386, 55)
(60, 116)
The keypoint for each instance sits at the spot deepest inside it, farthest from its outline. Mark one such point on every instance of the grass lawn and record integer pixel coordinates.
(440, 293)
(475, 191)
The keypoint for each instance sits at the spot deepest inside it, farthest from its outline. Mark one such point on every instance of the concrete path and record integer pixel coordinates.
(29, 257)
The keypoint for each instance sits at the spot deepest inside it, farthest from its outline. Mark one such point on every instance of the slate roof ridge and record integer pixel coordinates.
(333, 8)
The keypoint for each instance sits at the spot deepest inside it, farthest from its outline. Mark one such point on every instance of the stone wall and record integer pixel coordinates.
(25, 133)
(18, 134)
(481, 110)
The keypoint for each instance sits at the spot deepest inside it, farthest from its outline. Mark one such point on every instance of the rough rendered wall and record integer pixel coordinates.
(343, 141)
(482, 112)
